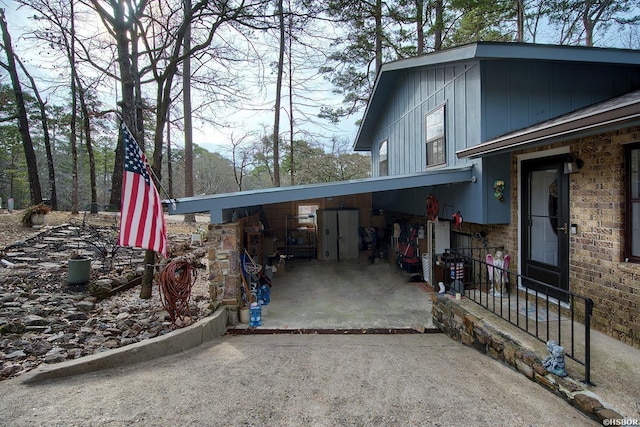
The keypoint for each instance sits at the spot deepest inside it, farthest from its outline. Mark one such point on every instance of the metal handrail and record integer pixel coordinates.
(545, 306)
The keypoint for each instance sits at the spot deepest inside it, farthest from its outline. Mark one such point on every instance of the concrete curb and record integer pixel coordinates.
(177, 341)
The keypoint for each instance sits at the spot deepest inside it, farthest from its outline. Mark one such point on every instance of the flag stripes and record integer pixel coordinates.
(141, 216)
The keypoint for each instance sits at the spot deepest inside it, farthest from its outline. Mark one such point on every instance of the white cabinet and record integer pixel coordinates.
(340, 238)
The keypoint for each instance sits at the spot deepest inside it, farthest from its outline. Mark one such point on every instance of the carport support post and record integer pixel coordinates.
(224, 272)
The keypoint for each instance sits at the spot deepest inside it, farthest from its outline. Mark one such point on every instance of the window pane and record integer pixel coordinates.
(307, 213)
(635, 176)
(383, 170)
(435, 136)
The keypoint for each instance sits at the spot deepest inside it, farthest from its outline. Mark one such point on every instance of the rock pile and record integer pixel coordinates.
(44, 320)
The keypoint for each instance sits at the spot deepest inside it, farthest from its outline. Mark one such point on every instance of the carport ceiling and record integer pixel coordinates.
(221, 206)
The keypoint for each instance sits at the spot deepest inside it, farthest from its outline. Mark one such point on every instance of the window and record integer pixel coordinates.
(632, 224)
(307, 214)
(384, 164)
(435, 137)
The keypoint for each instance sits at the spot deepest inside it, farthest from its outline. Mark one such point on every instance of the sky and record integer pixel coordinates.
(252, 117)
(255, 116)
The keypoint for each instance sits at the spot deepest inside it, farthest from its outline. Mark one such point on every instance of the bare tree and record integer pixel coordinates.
(47, 137)
(276, 120)
(188, 125)
(23, 121)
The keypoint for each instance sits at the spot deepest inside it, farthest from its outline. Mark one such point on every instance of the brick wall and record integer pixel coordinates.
(597, 266)
(224, 266)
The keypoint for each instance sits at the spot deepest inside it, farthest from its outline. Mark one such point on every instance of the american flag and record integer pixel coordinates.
(141, 217)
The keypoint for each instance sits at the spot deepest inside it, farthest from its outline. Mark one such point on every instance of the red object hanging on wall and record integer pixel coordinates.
(457, 219)
(432, 208)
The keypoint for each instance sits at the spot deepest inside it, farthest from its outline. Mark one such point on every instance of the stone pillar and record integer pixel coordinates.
(224, 266)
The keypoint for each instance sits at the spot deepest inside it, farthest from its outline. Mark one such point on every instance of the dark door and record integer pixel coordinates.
(545, 228)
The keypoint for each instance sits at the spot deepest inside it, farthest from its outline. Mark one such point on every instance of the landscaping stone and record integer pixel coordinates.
(451, 318)
(44, 320)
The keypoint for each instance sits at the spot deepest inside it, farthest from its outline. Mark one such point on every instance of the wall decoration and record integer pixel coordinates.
(498, 190)
(457, 219)
(432, 208)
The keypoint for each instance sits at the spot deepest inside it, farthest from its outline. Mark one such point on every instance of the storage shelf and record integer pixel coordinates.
(301, 241)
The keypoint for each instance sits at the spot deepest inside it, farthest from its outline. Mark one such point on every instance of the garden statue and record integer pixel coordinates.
(554, 362)
(498, 275)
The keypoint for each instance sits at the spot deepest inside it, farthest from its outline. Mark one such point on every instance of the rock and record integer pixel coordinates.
(10, 370)
(84, 305)
(18, 354)
(76, 316)
(12, 328)
(6, 298)
(40, 348)
(56, 337)
(34, 320)
(55, 358)
(100, 287)
(55, 355)
(122, 316)
(127, 341)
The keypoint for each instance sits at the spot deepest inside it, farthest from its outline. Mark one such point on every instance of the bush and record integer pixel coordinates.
(32, 210)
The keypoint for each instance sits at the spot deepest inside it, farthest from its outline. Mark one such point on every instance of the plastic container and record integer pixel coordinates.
(265, 294)
(255, 315)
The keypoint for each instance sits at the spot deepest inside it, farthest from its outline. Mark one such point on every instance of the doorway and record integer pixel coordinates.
(545, 224)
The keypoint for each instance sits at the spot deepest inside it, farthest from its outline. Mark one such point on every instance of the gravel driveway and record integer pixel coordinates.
(296, 380)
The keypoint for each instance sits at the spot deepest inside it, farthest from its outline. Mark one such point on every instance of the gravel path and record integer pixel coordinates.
(317, 380)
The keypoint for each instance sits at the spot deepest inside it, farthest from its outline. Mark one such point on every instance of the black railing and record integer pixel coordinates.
(545, 312)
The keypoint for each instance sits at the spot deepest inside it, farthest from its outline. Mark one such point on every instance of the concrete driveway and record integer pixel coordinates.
(318, 380)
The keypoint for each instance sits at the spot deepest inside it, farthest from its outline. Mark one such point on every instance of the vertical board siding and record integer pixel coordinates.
(536, 91)
(417, 92)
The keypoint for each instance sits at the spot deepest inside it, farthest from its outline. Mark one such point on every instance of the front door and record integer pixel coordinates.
(545, 224)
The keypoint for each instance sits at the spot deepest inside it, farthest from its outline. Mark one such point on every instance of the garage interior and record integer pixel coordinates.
(334, 264)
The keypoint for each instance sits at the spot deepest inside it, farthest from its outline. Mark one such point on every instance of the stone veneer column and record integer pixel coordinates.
(224, 273)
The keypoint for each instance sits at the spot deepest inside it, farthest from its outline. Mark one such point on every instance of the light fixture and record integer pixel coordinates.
(572, 164)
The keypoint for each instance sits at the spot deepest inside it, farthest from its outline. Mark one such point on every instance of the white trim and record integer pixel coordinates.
(520, 158)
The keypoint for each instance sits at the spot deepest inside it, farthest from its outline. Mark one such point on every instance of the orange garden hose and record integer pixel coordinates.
(176, 281)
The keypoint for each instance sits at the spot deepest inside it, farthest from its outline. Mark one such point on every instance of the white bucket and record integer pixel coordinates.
(426, 267)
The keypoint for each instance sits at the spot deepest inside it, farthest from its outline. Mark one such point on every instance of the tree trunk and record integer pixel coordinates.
(439, 26)
(169, 154)
(276, 120)
(291, 130)
(188, 125)
(520, 20)
(420, 26)
(378, 31)
(86, 126)
(74, 116)
(47, 138)
(23, 121)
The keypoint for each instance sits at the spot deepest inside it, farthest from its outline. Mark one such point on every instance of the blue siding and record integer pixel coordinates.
(518, 94)
(416, 93)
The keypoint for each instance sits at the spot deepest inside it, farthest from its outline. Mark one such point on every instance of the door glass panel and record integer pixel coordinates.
(543, 217)
(635, 238)
(635, 171)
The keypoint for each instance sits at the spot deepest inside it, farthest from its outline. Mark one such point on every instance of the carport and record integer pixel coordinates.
(349, 295)
(311, 292)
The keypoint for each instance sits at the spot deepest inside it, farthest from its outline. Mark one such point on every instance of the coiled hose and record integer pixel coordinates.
(175, 283)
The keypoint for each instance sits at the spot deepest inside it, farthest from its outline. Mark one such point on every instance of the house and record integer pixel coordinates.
(533, 148)
(553, 135)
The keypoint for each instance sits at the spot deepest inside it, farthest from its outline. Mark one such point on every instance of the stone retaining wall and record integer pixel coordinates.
(459, 324)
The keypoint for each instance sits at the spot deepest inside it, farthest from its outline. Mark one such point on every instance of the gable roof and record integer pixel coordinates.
(390, 72)
(608, 115)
